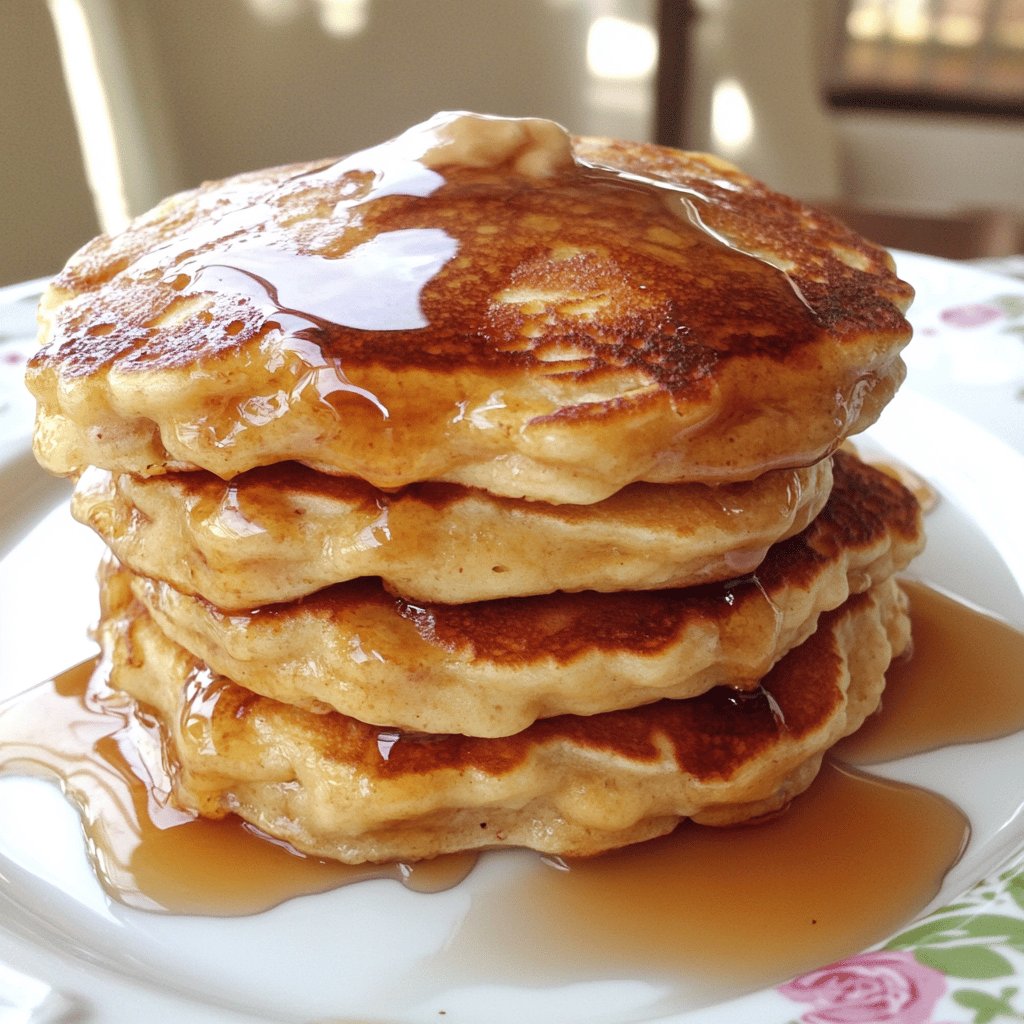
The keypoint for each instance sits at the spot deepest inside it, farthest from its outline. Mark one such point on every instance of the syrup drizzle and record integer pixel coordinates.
(961, 684)
(731, 908)
(319, 283)
(250, 248)
(147, 853)
(687, 202)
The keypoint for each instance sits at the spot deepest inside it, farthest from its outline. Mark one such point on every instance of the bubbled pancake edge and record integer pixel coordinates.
(283, 532)
(493, 667)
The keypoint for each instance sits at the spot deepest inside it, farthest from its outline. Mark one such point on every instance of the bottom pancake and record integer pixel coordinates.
(570, 785)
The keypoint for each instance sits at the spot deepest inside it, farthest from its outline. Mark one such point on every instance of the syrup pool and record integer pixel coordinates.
(146, 853)
(735, 908)
(961, 684)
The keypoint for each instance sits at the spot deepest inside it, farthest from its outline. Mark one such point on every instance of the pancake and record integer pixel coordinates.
(492, 668)
(335, 787)
(481, 301)
(278, 533)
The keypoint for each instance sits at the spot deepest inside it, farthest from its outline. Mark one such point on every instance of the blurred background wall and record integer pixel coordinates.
(906, 108)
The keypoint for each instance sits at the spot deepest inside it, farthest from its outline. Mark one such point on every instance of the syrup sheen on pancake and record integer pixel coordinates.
(482, 301)
(282, 532)
(176, 865)
(961, 691)
(333, 786)
(491, 668)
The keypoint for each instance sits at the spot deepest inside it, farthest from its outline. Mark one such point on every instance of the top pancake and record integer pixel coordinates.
(481, 301)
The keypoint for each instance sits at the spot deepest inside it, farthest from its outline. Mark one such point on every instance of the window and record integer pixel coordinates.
(941, 55)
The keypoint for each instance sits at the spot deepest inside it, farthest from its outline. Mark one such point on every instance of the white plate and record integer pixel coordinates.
(357, 954)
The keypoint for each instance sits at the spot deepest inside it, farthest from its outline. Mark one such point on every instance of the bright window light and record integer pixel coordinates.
(344, 18)
(911, 21)
(275, 11)
(91, 108)
(621, 49)
(732, 122)
(866, 20)
(960, 29)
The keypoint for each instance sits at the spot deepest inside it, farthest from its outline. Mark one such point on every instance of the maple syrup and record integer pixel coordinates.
(145, 852)
(462, 302)
(961, 684)
(731, 908)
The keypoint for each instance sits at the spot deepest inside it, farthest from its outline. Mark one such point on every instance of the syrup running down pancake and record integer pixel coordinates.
(484, 301)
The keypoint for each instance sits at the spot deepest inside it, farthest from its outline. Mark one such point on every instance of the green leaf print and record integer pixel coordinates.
(987, 1007)
(1011, 305)
(960, 929)
(975, 962)
(935, 930)
(1015, 889)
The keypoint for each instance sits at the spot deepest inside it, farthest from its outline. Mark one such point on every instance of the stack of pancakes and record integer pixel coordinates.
(483, 488)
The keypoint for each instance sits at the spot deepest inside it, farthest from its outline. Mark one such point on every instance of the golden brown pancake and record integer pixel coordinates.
(492, 668)
(335, 787)
(282, 532)
(481, 301)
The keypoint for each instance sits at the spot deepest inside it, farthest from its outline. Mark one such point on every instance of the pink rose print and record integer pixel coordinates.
(871, 988)
(972, 314)
(14, 355)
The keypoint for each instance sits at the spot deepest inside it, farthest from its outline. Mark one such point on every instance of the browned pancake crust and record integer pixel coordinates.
(493, 667)
(866, 507)
(635, 292)
(710, 736)
(684, 330)
(336, 787)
